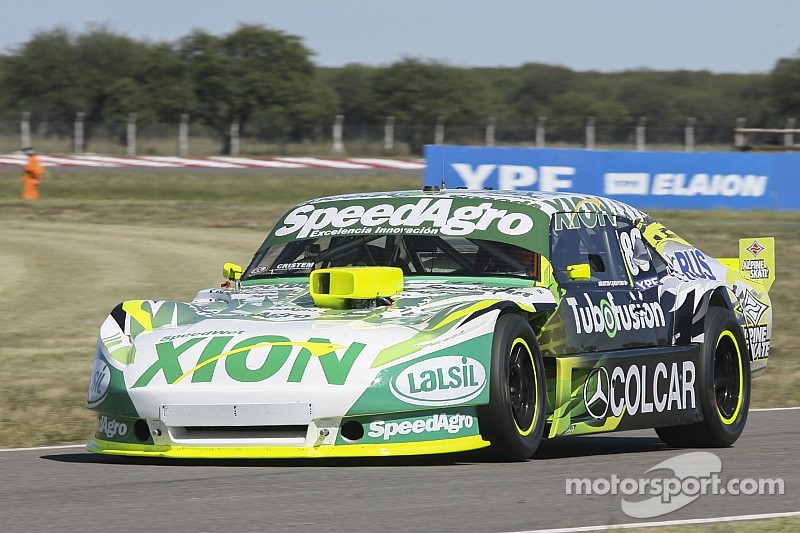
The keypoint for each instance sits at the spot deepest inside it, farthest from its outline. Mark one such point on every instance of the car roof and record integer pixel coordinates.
(545, 202)
(505, 216)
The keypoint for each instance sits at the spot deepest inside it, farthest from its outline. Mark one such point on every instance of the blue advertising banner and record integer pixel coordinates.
(654, 180)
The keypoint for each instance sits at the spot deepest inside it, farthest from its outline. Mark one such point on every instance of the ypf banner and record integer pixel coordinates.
(665, 180)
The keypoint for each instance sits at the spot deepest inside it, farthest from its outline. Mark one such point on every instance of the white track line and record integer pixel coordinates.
(63, 161)
(22, 160)
(90, 160)
(34, 448)
(126, 161)
(258, 162)
(664, 523)
(775, 409)
(326, 163)
(192, 162)
(389, 163)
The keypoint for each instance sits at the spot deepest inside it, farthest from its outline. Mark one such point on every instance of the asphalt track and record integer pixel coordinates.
(68, 489)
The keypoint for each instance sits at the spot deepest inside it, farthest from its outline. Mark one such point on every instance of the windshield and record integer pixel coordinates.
(417, 255)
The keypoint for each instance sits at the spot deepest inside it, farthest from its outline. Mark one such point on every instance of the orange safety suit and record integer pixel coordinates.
(31, 177)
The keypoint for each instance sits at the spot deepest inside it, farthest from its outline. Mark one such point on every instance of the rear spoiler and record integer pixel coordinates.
(756, 261)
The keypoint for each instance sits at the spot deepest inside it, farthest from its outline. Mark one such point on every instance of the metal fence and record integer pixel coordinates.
(339, 138)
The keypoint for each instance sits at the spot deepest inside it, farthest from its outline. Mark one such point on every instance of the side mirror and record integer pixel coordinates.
(580, 272)
(231, 271)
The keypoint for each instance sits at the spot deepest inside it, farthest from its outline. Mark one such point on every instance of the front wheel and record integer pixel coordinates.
(723, 387)
(513, 421)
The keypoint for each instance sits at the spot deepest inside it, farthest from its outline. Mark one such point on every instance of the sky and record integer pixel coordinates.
(743, 36)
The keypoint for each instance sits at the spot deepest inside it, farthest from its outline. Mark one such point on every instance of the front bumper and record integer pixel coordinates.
(445, 430)
(459, 444)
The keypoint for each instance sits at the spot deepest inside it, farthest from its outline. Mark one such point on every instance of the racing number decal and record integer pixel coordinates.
(628, 241)
(638, 257)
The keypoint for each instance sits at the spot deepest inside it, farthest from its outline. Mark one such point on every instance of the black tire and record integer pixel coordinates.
(514, 419)
(723, 388)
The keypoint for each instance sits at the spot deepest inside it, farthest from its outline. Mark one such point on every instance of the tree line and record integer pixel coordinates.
(266, 80)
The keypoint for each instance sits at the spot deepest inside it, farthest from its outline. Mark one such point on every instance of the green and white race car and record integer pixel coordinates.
(433, 321)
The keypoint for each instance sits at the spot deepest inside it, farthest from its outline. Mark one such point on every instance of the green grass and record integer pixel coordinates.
(100, 237)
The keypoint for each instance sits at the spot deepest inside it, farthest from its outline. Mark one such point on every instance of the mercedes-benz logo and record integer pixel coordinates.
(595, 393)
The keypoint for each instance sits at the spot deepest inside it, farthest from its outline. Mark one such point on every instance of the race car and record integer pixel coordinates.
(435, 321)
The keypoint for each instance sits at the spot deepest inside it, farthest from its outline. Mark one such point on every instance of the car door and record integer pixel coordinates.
(609, 340)
(601, 308)
(647, 270)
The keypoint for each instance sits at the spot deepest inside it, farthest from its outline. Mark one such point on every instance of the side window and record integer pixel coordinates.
(637, 255)
(658, 261)
(588, 239)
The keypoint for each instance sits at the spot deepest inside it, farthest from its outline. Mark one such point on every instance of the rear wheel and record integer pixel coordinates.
(723, 387)
(513, 421)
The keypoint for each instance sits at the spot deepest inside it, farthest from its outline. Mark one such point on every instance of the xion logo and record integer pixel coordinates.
(309, 220)
(610, 317)
(248, 361)
(446, 380)
(587, 214)
(636, 390)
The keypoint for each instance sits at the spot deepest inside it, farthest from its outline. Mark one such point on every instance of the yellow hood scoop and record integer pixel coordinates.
(347, 287)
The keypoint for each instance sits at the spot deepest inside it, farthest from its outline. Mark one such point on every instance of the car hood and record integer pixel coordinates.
(271, 336)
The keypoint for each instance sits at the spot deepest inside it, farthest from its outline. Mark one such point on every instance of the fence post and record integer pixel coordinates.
(131, 134)
(183, 135)
(388, 134)
(438, 135)
(540, 123)
(688, 135)
(285, 140)
(740, 139)
(25, 129)
(788, 137)
(591, 124)
(338, 134)
(235, 136)
(490, 131)
(78, 147)
(641, 127)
